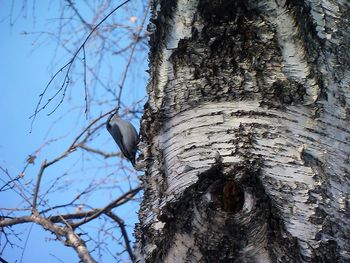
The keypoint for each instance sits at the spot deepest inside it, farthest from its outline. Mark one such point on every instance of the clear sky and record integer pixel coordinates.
(27, 61)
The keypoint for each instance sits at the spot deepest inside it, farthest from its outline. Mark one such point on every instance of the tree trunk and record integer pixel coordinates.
(246, 132)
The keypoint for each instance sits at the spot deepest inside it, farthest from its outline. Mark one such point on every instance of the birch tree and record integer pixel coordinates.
(246, 132)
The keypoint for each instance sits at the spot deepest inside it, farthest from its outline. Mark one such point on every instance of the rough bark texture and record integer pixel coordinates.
(247, 132)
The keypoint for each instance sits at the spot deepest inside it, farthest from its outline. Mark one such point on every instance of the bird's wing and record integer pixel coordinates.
(114, 129)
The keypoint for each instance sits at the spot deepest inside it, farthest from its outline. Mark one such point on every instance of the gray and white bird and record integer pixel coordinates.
(125, 135)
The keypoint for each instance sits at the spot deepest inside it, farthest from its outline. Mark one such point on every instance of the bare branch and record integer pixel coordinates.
(37, 186)
(88, 215)
(72, 239)
(121, 224)
(79, 246)
(15, 221)
(104, 154)
(119, 201)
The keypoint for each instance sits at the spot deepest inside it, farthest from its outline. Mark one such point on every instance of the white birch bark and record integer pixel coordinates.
(246, 133)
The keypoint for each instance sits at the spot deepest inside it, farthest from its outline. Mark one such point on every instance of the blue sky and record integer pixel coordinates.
(23, 73)
(28, 60)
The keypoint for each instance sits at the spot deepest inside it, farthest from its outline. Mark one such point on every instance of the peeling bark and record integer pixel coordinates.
(246, 133)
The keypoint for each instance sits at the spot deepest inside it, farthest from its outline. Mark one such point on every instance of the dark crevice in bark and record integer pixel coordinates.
(159, 27)
(223, 225)
(283, 247)
(246, 175)
(302, 12)
(221, 11)
(328, 252)
(232, 197)
(285, 93)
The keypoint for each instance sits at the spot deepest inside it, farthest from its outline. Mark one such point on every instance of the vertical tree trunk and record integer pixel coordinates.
(247, 132)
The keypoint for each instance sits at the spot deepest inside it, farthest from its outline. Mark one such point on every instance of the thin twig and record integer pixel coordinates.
(85, 85)
(26, 242)
(121, 224)
(89, 126)
(131, 56)
(79, 15)
(18, 186)
(68, 65)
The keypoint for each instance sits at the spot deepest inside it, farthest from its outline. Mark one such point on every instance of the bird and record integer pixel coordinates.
(124, 134)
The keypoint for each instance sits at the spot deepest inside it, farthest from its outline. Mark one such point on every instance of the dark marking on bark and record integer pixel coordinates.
(328, 252)
(318, 112)
(309, 159)
(347, 114)
(316, 165)
(318, 217)
(181, 49)
(248, 174)
(221, 225)
(158, 27)
(217, 10)
(283, 246)
(226, 249)
(233, 197)
(310, 39)
(343, 51)
(288, 92)
(302, 11)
